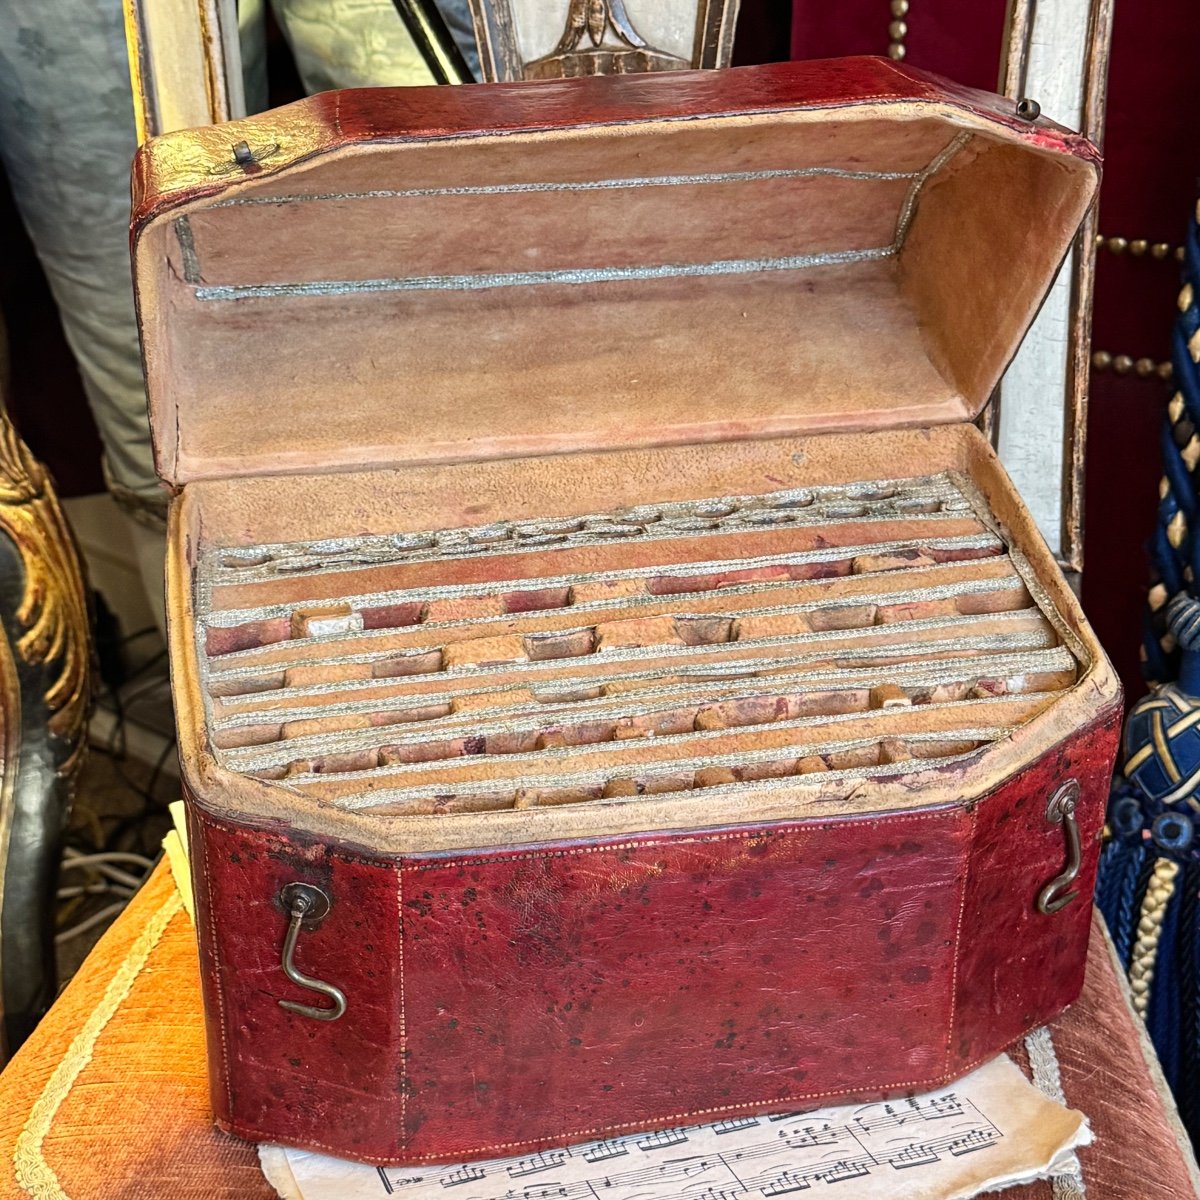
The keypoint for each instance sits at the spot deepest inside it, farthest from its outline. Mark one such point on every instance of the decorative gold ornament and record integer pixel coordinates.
(1123, 364)
(898, 30)
(1138, 247)
(53, 610)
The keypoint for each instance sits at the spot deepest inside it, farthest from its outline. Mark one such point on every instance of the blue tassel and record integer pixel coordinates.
(1154, 809)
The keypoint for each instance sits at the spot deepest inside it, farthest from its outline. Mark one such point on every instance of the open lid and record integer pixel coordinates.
(391, 276)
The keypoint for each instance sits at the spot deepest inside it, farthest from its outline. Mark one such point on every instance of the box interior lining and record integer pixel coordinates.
(843, 270)
(869, 629)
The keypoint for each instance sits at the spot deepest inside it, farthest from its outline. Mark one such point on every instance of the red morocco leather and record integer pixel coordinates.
(637, 983)
(617, 627)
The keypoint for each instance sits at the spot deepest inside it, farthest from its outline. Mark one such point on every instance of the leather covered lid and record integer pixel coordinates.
(394, 276)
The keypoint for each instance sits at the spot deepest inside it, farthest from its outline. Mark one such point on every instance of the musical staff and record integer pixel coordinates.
(759, 1157)
(892, 1149)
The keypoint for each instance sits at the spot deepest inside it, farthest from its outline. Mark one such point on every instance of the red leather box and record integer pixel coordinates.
(617, 684)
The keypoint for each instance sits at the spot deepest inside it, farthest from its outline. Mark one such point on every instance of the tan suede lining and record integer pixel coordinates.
(396, 303)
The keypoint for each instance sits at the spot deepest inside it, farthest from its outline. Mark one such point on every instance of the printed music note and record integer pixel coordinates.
(467, 1174)
(662, 1138)
(546, 1161)
(734, 1125)
(942, 1106)
(788, 1183)
(844, 1170)
(913, 1156)
(603, 1151)
(811, 1135)
(977, 1139)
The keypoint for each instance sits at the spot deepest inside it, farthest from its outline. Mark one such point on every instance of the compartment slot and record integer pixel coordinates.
(773, 769)
(484, 686)
(806, 735)
(869, 628)
(473, 593)
(975, 585)
(921, 684)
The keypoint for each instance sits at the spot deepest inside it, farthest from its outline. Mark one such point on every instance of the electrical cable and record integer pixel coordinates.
(89, 923)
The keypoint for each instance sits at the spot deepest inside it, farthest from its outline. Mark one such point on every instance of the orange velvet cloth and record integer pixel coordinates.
(109, 1098)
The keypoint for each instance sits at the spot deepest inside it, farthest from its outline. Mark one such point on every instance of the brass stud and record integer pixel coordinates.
(1138, 247)
(1180, 254)
(1122, 364)
(896, 51)
(899, 8)
(1160, 250)
(1144, 367)
(1101, 360)
(897, 30)
(1117, 245)
(1165, 371)
(1100, 240)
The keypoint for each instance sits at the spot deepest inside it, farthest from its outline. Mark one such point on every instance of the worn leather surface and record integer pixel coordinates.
(332, 118)
(513, 999)
(1016, 967)
(147, 1071)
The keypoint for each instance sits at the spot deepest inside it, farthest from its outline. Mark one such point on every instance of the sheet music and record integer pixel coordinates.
(992, 1129)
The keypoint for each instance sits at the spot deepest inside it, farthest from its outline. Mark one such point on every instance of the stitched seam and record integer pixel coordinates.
(450, 859)
(249, 1132)
(406, 1073)
(575, 851)
(636, 844)
(217, 980)
(34, 1173)
(962, 907)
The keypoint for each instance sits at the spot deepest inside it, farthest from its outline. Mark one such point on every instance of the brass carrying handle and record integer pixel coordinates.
(1061, 811)
(307, 905)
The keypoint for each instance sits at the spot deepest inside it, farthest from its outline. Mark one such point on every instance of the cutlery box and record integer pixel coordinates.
(617, 684)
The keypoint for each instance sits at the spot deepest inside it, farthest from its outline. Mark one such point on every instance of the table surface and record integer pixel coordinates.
(109, 1098)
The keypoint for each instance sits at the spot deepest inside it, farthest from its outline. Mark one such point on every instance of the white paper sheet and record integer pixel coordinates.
(992, 1129)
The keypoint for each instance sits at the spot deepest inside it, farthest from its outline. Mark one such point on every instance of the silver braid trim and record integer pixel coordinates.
(1043, 1062)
